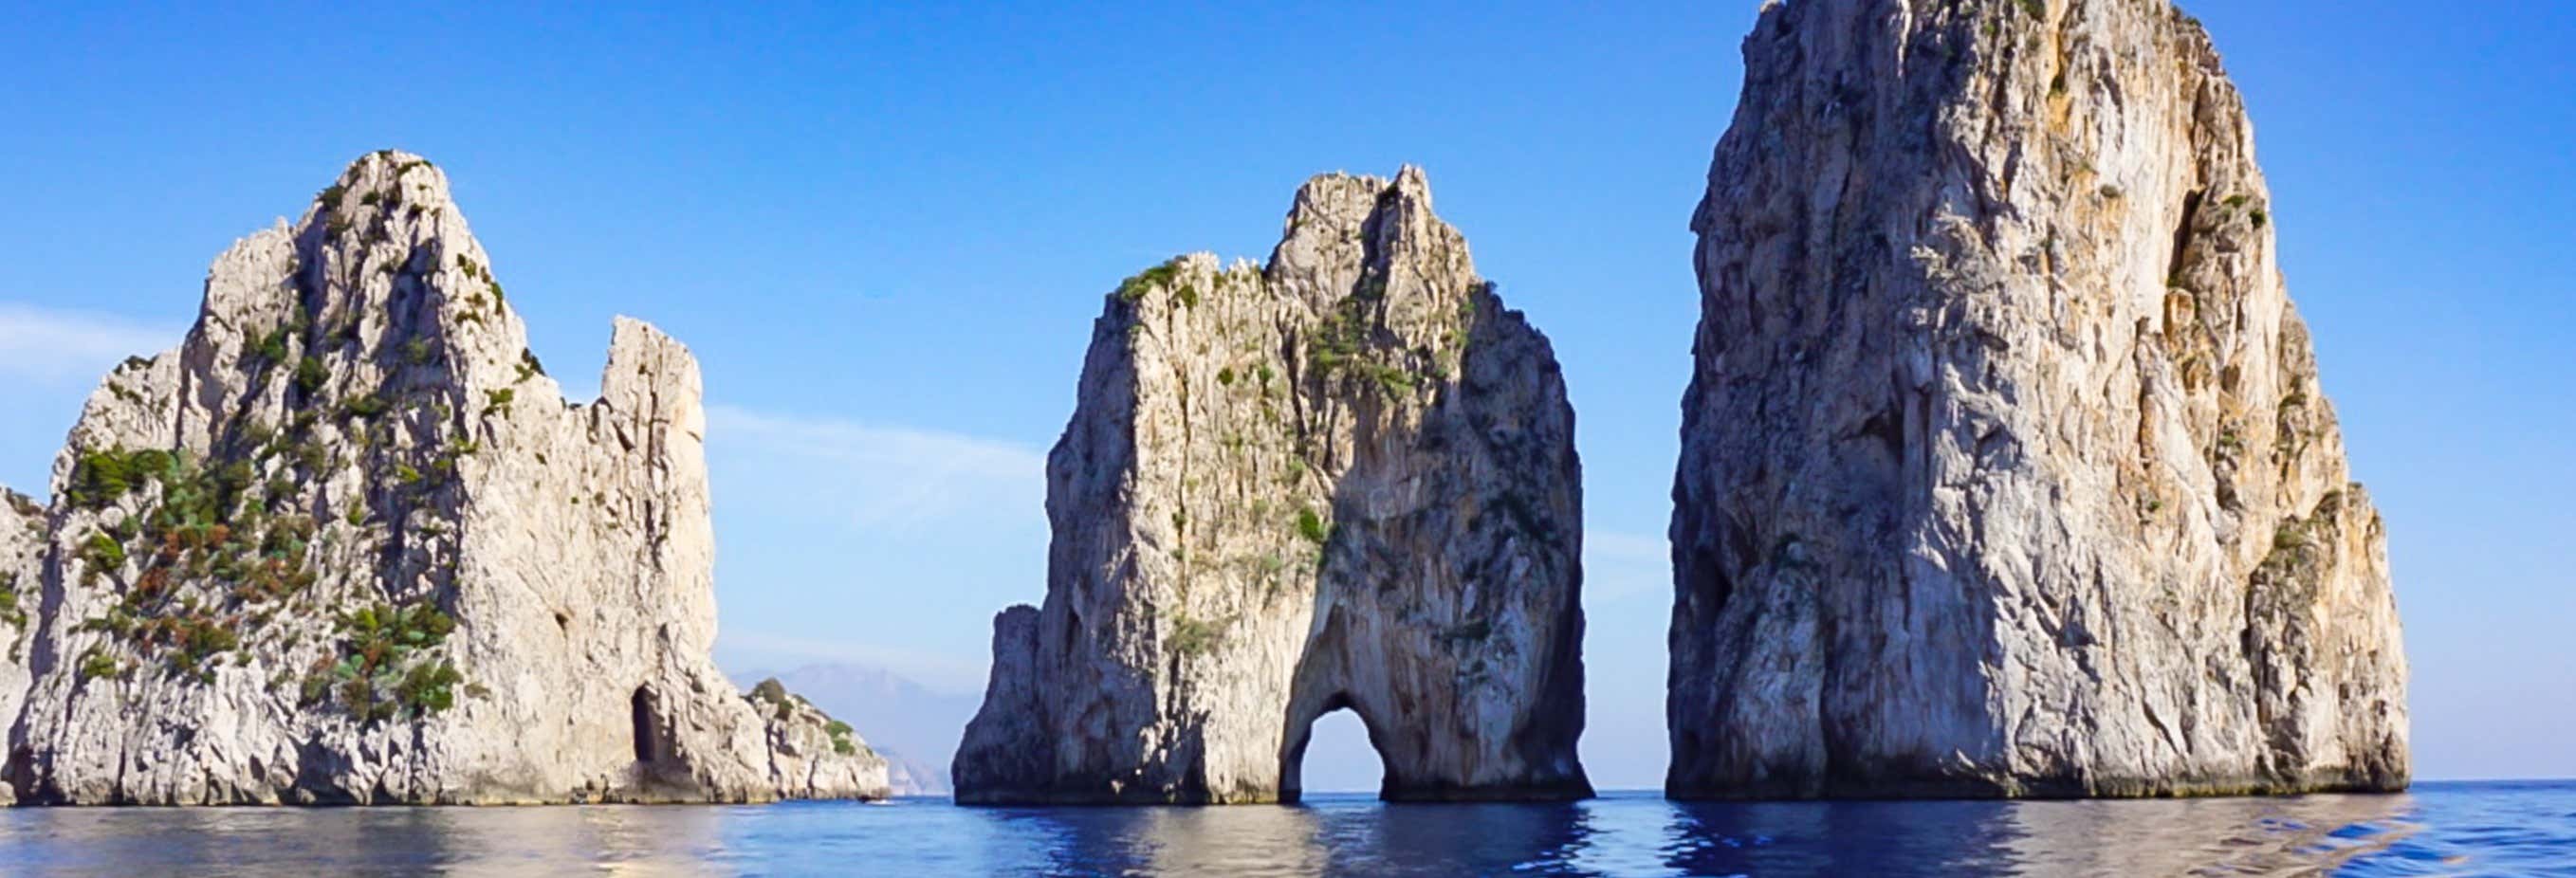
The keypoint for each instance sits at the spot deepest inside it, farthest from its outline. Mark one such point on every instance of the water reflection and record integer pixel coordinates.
(479, 841)
(2208, 836)
(2187, 837)
(1173, 841)
(2441, 830)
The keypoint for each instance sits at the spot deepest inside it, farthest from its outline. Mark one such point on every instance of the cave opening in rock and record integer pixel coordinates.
(1335, 752)
(642, 711)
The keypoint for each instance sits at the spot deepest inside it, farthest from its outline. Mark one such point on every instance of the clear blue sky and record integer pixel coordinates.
(885, 231)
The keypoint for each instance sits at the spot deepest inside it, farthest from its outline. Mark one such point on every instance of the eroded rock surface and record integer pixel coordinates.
(348, 543)
(2005, 468)
(1342, 479)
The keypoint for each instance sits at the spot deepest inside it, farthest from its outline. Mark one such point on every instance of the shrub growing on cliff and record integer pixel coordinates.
(1311, 526)
(9, 611)
(312, 457)
(272, 347)
(429, 688)
(1393, 380)
(841, 741)
(1194, 637)
(384, 670)
(309, 374)
(1135, 287)
(98, 478)
(102, 553)
(773, 693)
(101, 477)
(195, 639)
(97, 663)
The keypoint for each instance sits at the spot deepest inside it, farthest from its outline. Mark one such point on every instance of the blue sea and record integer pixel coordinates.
(2438, 829)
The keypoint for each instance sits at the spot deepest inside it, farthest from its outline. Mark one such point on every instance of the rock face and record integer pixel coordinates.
(347, 543)
(914, 727)
(2005, 467)
(1343, 479)
(22, 569)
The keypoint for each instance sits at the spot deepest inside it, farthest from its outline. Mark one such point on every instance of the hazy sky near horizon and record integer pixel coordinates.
(885, 231)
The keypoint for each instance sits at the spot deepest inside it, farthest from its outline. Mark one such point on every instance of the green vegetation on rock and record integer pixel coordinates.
(309, 374)
(1311, 526)
(387, 667)
(1196, 637)
(1136, 286)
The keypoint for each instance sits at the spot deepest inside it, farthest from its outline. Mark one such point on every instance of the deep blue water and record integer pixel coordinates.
(2439, 829)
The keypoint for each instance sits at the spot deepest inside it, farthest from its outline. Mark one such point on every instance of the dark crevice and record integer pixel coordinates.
(2182, 237)
(1885, 425)
(1705, 575)
(642, 708)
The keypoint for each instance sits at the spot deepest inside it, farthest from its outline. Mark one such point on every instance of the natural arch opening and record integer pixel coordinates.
(642, 711)
(1345, 754)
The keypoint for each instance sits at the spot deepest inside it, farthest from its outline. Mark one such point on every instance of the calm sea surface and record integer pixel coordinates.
(2439, 829)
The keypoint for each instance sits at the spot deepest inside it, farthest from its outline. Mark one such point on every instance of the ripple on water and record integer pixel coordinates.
(2439, 829)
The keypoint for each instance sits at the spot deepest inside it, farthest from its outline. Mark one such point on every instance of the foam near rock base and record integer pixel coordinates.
(348, 543)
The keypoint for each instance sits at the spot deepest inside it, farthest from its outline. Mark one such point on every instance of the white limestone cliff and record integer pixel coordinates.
(2006, 469)
(347, 543)
(1342, 479)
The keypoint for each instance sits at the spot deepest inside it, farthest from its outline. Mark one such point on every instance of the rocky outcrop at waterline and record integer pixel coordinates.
(2006, 469)
(347, 543)
(1345, 478)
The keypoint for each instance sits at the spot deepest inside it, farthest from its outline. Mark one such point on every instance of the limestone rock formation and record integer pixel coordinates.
(348, 543)
(2005, 467)
(1342, 479)
(22, 571)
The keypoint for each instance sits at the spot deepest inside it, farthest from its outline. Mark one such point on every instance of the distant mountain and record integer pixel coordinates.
(907, 776)
(916, 728)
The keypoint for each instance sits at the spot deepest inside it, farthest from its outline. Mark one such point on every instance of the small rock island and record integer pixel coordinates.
(348, 544)
(2005, 467)
(1342, 479)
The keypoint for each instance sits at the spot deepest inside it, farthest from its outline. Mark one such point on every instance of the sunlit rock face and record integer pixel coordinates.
(2005, 468)
(347, 543)
(1342, 479)
(22, 578)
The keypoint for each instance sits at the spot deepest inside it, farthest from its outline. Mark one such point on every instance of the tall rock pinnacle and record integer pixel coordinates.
(347, 543)
(2005, 468)
(1343, 479)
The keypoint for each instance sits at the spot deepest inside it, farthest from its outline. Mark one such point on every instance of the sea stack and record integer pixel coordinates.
(2005, 466)
(1345, 478)
(347, 543)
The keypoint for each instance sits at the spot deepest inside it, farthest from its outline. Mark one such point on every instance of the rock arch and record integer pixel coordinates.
(1303, 714)
(1345, 477)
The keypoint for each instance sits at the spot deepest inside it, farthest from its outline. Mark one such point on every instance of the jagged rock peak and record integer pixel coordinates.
(2005, 466)
(1343, 479)
(348, 543)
